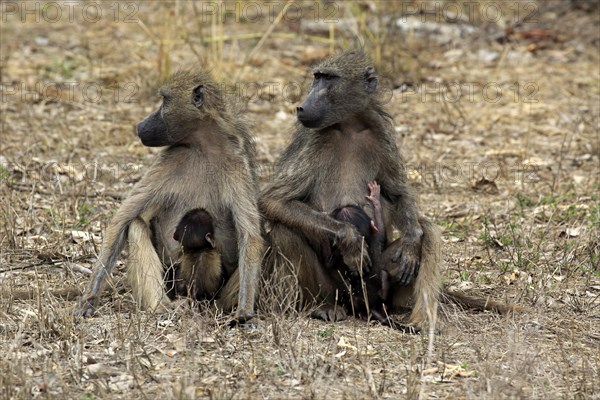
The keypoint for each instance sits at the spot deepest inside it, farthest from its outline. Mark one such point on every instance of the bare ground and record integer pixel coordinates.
(508, 167)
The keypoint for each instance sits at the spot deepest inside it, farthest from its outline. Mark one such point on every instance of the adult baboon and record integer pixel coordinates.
(208, 163)
(345, 139)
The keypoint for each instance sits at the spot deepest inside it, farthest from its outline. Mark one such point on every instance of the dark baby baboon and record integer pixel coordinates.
(207, 145)
(195, 231)
(198, 274)
(367, 294)
(373, 295)
(345, 140)
(372, 230)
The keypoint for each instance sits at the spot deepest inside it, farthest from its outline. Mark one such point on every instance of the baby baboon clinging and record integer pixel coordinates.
(208, 162)
(345, 140)
(372, 230)
(368, 293)
(198, 274)
(195, 231)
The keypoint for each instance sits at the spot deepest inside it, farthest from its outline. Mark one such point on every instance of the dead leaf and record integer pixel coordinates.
(121, 383)
(340, 354)
(78, 268)
(102, 370)
(80, 237)
(70, 171)
(343, 343)
(505, 153)
(533, 162)
(510, 277)
(449, 371)
(165, 323)
(37, 239)
(570, 233)
(414, 175)
(291, 382)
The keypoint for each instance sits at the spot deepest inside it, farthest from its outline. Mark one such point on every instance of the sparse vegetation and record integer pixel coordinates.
(509, 172)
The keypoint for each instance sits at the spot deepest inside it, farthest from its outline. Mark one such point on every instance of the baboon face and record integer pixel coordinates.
(187, 101)
(195, 230)
(342, 87)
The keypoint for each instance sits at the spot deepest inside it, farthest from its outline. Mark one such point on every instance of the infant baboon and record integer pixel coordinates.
(199, 274)
(207, 145)
(195, 231)
(372, 230)
(368, 293)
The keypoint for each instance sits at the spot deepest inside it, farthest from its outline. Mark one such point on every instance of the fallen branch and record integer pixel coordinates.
(52, 263)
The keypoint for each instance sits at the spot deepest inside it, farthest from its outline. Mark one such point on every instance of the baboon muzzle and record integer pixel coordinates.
(152, 131)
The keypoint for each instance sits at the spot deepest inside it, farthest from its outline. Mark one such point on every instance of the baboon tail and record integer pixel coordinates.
(427, 285)
(145, 270)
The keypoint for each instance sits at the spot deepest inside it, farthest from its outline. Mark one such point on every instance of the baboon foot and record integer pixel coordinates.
(244, 316)
(85, 309)
(242, 319)
(329, 312)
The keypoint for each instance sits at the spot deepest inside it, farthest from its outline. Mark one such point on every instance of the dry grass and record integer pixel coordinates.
(514, 183)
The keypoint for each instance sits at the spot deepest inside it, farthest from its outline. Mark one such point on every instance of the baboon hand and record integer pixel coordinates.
(374, 193)
(353, 248)
(403, 266)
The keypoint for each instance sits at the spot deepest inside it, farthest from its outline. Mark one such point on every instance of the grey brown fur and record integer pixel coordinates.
(208, 162)
(345, 139)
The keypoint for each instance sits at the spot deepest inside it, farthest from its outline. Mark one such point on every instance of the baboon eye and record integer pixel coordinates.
(198, 95)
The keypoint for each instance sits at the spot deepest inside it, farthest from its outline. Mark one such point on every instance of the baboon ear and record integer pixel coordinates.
(198, 96)
(176, 235)
(209, 238)
(371, 79)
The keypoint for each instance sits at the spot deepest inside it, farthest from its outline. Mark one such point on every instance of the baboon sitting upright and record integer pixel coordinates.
(344, 140)
(208, 162)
